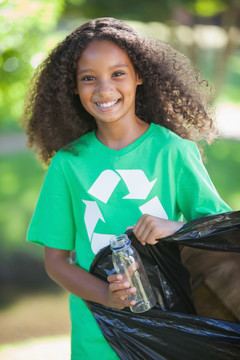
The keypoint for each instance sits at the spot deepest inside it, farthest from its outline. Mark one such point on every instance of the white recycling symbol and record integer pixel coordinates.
(138, 186)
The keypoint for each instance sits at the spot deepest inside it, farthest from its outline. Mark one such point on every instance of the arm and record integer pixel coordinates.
(149, 228)
(196, 196)
(85, 285)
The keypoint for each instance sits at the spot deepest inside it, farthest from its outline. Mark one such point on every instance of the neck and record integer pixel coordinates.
(118, 136)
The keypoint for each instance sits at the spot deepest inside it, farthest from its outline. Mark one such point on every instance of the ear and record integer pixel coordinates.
(139, 80)
(75, 91)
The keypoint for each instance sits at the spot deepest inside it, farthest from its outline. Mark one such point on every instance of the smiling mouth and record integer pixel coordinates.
(107, 104)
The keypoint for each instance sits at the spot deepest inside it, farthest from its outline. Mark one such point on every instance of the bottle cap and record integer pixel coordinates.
(119, 242)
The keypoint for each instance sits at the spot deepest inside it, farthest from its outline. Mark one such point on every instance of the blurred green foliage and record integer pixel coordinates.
(141, 10)
(29, 29)
(24, 29)
(223, 164)
(206, 8)
(20, 182)
(152, 10)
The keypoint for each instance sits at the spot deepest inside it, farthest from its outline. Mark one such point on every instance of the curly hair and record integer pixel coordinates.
(172, 94)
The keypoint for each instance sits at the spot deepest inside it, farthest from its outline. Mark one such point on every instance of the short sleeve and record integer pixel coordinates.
(196, 194)
(52, 223)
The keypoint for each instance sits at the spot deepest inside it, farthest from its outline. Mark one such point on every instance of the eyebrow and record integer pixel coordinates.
(83, 71)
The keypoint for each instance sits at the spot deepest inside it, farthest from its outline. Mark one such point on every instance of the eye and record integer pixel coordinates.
(118, 73)
(88, 78)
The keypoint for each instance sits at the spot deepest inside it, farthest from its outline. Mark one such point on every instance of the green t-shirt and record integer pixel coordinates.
(95, 192)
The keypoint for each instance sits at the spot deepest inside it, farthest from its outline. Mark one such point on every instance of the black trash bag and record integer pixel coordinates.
(218, 232)
(172, 330)
(158, 335)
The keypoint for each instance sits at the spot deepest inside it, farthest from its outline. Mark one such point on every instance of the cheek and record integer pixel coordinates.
(84, 96)
(130, 90)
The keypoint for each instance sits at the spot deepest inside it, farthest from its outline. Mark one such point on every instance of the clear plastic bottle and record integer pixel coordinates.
(128, 263)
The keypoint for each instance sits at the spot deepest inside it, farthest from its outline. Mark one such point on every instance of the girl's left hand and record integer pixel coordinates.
(149, 228)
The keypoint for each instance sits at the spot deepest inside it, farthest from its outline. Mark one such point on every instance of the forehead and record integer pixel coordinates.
(103, 50)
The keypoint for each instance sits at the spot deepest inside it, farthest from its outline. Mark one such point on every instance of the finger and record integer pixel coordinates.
(153, 237)
(114, 277)
(141, 234)
(127, 303)
(121, 304)
(117, 286)
(130, 227)
(138, 230)
(122, 294)
(138, 225)
(141, 225)
(139, 239)
(146, 233)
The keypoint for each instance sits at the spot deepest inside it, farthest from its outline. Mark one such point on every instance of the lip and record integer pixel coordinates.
(107, 105)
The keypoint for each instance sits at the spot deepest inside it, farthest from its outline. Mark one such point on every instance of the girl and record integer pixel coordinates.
(114, 113)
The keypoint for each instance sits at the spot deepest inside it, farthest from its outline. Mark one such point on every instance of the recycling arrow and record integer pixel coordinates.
(139, 187)
(91, 216)
(104, 186)
(137, 183)
(154, 207)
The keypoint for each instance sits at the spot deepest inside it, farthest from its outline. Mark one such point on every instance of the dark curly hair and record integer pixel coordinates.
(172, 94)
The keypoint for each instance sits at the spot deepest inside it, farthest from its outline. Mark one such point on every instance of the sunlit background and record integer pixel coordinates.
(33, 311)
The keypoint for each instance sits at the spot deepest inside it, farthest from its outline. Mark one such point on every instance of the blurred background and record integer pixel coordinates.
(34, 311)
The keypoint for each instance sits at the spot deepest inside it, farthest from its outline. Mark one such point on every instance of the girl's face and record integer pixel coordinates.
(106, 82)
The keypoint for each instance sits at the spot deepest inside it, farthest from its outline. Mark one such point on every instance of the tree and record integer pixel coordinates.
(227, 16)
(24, 24)
(141, 10)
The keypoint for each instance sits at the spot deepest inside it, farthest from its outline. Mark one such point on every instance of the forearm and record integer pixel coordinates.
(74, 278)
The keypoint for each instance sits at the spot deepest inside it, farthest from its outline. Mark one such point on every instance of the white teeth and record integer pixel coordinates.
(105, 105)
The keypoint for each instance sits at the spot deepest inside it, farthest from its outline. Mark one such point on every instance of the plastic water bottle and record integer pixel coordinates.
(128, 263)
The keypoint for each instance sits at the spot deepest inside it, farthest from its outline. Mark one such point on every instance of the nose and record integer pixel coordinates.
(104, 87)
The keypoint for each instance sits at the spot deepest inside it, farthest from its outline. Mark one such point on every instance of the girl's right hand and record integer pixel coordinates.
(118, 290)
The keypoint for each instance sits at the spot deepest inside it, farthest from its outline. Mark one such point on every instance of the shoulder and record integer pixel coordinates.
(172, 143)
(76, 150)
